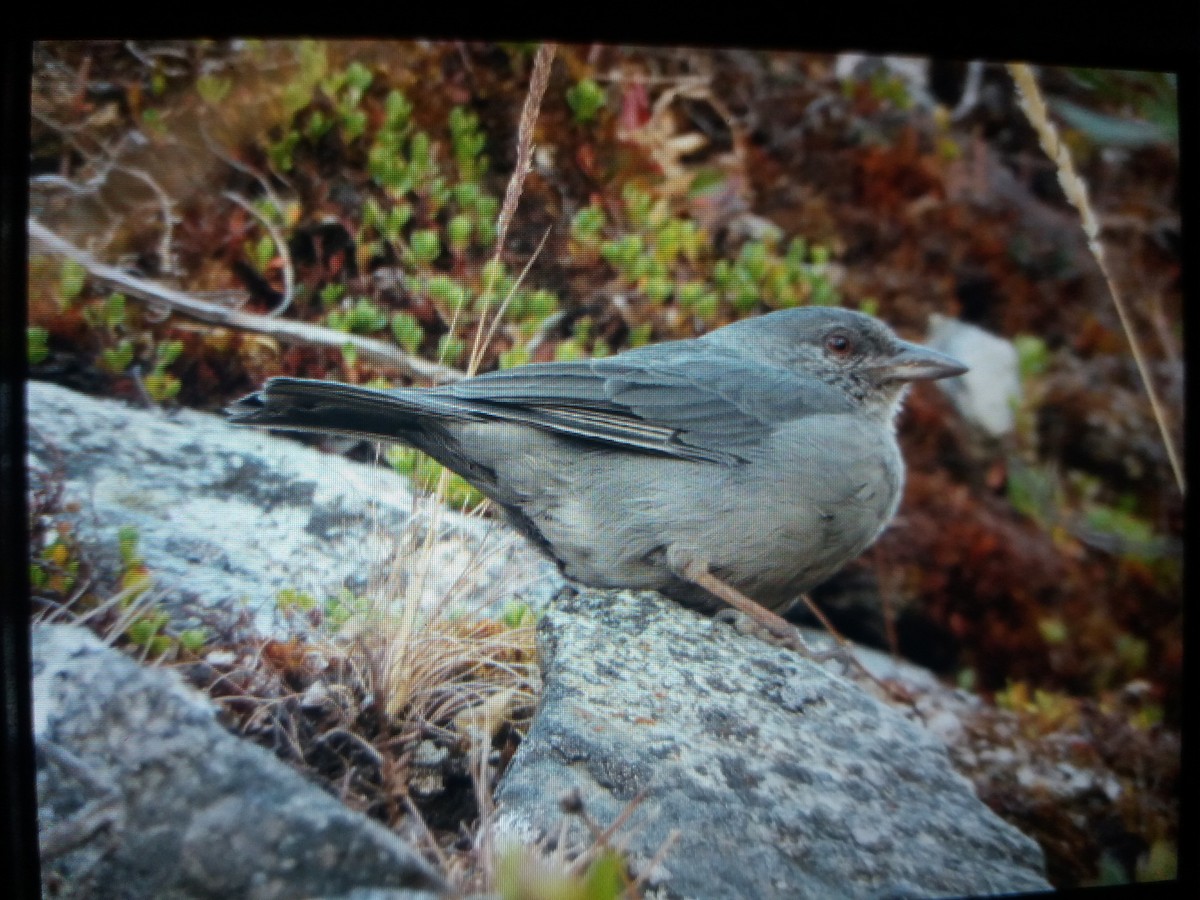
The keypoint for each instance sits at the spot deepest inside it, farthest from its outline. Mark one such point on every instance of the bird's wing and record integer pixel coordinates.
(668, 399)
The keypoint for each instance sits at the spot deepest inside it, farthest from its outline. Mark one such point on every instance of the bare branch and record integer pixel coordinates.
(376, 352)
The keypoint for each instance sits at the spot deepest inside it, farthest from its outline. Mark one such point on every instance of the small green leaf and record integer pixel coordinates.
(358, 76)
(568, 351)
(290, 598)
(167, 352)
(162, 386)
(424, 245)
(114, 310)
(638, 204)
(71, 279)
(467, 194)
(1053, 630)
(213, 90)
(280, 153)
(331, 294)
(397, 110)
(658, 288)
(540, 304)
(354, 123)
(407, 331)
(193, 639)
(367, 318)
(37, 344)
(458, 231)
(1033, 356)
(451, 349)
(264, 252)
(127, 541)
(586, 99)
(516, 356)
(518, 613)
(587, 224)
(706, 307)
(639, 335)
(603, 879)
(117, 359)
(318, 125)
(147, 626)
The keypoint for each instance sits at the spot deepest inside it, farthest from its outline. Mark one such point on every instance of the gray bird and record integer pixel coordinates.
(761, 456)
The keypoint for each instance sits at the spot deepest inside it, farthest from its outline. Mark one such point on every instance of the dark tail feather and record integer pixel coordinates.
(300, 404)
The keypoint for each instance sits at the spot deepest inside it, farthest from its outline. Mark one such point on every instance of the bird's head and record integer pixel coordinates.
(848, 350)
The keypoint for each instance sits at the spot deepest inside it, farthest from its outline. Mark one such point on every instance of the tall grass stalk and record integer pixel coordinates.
(1034, 106)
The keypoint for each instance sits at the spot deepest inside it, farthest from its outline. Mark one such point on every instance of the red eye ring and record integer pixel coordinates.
(838, 344)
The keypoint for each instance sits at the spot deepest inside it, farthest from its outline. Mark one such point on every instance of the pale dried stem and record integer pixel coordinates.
(1034, 107)
(663, 849)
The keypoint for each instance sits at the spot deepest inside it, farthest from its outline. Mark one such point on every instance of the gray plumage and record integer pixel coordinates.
(766, 449)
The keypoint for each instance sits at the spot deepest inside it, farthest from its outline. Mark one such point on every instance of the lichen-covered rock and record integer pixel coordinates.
(782, 779)
(142, 794)
(228, 517)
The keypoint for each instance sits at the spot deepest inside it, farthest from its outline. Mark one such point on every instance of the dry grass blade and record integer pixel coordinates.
(1034, 107)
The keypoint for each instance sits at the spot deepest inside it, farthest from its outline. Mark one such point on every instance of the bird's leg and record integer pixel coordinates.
(688, 567)
(847, 658)
(784, 631)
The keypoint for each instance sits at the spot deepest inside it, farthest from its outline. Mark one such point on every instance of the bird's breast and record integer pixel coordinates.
(809, 501)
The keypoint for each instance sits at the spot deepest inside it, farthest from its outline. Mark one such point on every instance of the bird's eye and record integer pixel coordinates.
(838, 344)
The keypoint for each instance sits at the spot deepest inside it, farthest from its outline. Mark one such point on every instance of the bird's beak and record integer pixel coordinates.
(912, 362)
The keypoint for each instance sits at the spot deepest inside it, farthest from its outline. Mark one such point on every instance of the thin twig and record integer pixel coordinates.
(848, 651)
(170, 220)
(280, 245)
(669, 841)
(1034, 107)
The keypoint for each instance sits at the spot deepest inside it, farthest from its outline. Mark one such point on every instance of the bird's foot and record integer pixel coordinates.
(784, 635)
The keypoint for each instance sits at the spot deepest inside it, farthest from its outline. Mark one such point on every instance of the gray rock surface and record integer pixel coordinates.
(141, 793)
(227, 517)
(782, 779)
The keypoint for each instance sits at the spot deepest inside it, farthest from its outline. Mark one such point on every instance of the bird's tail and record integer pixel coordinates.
(301, 404)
